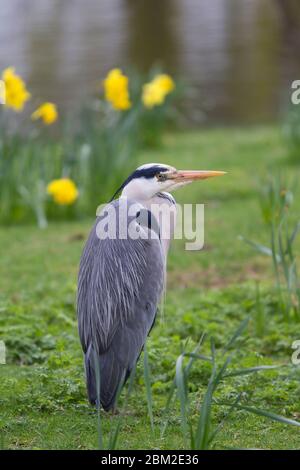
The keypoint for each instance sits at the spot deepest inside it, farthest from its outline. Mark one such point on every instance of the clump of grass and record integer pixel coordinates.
(200, 433)
(276, 200)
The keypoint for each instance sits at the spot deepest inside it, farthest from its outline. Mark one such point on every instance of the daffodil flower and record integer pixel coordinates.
(155, 92)
(16, 93)
(63, 191)
(116, 90)
(47, 112)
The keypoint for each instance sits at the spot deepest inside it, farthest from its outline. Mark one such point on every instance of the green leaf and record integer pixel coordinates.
(221, 424)
(173, 386)
(264, 413)
(264, 250)
(238, 333)
(294, 234)
(148, 386)
(181, 387)
(249, 370)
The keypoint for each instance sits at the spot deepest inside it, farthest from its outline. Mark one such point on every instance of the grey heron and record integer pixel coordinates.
(121, 279)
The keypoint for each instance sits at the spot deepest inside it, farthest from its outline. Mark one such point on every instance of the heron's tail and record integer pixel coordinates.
(104, 377)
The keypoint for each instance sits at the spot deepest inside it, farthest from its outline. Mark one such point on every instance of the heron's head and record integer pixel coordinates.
(148, 180)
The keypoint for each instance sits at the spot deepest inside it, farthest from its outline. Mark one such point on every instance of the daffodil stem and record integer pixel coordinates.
(41, 217)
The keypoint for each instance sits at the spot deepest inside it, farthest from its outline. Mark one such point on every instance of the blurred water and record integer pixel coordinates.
(239, 56)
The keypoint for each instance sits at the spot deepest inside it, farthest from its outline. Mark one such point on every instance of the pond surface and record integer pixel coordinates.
(238, 57)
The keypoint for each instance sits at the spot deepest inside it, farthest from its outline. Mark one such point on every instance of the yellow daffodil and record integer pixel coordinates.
(116, 90)
(16, 93)
(63, 191)
(155, 92)
(47, 112)
(165, 82)
(153, 95)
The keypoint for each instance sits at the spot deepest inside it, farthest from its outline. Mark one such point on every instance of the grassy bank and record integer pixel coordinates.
(42, 392)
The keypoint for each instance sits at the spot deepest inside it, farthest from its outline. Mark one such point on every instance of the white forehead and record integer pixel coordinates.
(149, 165)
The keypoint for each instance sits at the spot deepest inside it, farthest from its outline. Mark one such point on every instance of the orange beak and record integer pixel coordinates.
(193, 175)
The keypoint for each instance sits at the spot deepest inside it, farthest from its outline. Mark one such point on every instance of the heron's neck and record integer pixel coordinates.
(137, 190)
(163, 207)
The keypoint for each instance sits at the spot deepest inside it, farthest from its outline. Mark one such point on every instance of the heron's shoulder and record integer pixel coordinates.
(127, 221)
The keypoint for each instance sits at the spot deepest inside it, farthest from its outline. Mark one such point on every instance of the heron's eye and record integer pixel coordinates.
(161, 176)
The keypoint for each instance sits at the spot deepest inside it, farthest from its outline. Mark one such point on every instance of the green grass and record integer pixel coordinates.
(42, 392)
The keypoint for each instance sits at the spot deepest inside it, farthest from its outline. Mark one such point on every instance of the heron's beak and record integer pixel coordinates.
(182, 176)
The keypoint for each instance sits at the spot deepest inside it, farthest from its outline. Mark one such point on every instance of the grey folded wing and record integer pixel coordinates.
(119, 286)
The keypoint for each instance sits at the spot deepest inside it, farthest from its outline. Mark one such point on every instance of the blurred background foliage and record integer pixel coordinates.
(94, 148)
(233, 64)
